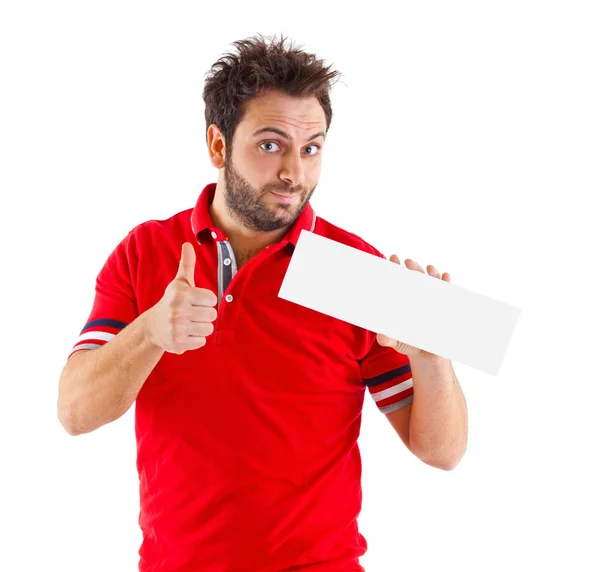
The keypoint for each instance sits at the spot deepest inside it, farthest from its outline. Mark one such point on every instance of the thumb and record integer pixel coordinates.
(384, 340)
(187, 264)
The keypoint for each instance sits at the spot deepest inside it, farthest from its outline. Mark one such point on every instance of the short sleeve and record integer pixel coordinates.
(387, 373)
(388, 377)
(115, 305)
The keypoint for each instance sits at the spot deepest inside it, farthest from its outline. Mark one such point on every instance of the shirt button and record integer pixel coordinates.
(229, 297)
(213, 234)
(227, 261)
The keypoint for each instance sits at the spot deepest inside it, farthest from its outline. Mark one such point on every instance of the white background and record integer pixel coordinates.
(465, 135)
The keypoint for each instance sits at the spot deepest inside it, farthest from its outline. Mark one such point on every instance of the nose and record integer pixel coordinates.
(292, 170)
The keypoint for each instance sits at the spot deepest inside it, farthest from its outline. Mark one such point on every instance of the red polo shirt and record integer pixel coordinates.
(247, 447)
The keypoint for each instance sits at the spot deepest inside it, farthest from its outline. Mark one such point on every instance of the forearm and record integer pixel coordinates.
(100, 385)
(438, 421)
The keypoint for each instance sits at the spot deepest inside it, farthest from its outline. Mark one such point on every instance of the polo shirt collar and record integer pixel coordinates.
(202, 221)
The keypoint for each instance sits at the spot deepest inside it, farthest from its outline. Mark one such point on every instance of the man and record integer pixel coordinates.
(248, 407)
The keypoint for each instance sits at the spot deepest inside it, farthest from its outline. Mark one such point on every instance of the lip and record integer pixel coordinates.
(285, 198)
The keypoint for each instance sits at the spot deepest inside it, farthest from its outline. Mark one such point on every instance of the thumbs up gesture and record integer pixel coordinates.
(182, 319)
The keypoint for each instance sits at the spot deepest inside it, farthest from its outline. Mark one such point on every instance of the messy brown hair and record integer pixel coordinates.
(236, 78)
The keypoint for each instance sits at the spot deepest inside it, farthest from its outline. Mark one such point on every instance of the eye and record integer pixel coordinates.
(318, 147)
(270, 151)
(267, 143)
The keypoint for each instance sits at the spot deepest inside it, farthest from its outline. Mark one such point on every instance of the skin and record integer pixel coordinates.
(252, 218)
(411, 351)
(244, 206)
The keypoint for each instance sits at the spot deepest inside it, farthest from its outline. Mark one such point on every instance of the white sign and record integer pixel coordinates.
(406, 305)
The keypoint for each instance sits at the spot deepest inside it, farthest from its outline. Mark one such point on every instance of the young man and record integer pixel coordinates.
(248, 407)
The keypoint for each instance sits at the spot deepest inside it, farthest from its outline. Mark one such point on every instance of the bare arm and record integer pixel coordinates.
(98, 386)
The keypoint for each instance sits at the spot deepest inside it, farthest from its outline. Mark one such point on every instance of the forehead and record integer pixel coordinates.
(274, 107)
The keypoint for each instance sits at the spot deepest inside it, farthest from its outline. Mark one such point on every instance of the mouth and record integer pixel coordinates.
(285, 198)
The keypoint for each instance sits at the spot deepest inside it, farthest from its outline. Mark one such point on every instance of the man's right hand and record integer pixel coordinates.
(183, 318)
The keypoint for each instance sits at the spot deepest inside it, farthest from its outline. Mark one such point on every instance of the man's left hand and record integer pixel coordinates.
(412, 351)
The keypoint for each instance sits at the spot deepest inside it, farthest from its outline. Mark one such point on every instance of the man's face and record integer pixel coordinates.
(261, 164)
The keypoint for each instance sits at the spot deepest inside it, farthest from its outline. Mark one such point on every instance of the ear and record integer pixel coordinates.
(216, 146)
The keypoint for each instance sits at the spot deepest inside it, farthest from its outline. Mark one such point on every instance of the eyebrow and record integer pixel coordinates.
(284, 134)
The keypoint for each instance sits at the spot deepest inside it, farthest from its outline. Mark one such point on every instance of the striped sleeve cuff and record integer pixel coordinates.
(391, 390)
(96, 333)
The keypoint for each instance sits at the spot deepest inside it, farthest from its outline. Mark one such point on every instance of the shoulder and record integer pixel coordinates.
(153, 239)
(329, 230)
(178, 220)
(156, 231)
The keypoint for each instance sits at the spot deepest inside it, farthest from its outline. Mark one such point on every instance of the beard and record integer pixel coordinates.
(255, 209)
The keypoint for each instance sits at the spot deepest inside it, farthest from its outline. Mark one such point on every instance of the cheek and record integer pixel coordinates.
(312, 176)
(254, 172)
(314, 169)
(261, 167)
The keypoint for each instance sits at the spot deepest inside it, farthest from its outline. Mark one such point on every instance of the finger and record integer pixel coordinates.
(203, 314)
(394, 258)
(385, 340)
(203, 297)
(187, 264)
(197, 329)
(201, 329)
(432, 271)
(412, 265)
(193, 342)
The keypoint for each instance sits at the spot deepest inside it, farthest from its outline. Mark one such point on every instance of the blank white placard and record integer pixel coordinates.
(406, 305)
